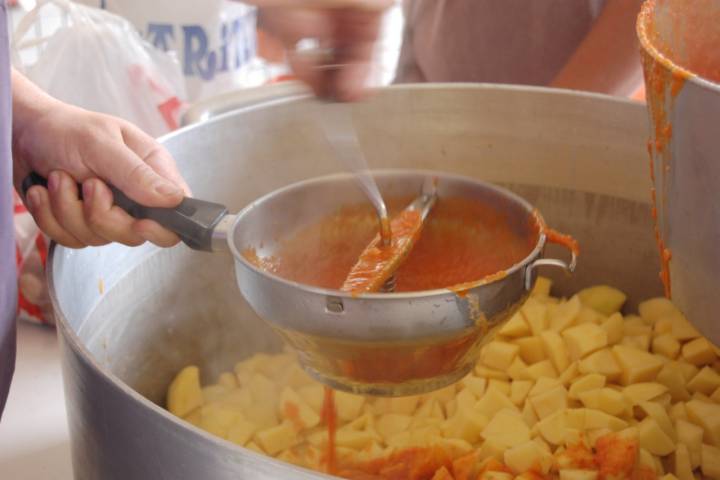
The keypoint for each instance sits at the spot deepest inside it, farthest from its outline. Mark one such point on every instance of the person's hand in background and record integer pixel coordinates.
(349, 28)
(68, 145)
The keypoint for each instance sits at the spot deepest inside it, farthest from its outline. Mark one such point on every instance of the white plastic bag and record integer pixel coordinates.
(215, 40)
(98, 61)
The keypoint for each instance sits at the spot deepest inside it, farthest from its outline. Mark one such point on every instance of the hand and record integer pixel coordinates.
(348, 27)
(68, 145)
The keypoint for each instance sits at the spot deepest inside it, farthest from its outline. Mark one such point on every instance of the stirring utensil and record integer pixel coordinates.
(377, 264)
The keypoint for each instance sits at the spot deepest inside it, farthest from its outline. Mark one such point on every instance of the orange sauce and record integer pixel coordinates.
(615, 456)
(553, 236)
(462, 241)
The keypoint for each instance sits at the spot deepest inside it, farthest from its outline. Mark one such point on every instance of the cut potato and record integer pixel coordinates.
(564, 314)
(698, 352)
(614, 328)
(653, 309)
(275, 439)
(671, 376)
(531, 349)
(654, 439)
(542, 287)
(706, 381)
(553, 428)
(584, 339)
(607, 400)
(666, 344)
(642, 392)
(499, 355)
(680, 327)
(578, 474)
(549, 402)
(518, 370)
(636, 365)
(295, 409)
(555, 350)
(535, 314)
(658, 413)
(526, 456)
(710, 464)
(595, 419)
(592, 381)
(641, 342)
(519, 391)
(603, 298)
(707, 416)
(506, 429)
(541, 369)
(184, 393)
(681, 463)
(601, 362)
(517, 326)
(692, 436)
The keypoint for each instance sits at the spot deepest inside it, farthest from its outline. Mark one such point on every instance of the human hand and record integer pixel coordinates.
(68, 145)
(349, 28)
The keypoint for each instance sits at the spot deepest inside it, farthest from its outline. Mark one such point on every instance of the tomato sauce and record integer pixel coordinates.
(463, 240)
(615, 456)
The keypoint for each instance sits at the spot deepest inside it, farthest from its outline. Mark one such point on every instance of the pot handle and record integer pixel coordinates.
(193, 220)
(560, 239)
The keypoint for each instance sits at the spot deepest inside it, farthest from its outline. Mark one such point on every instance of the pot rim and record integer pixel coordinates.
(646, 15)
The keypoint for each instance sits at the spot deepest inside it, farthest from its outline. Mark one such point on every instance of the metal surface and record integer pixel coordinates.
(687, 170)
(131, 318)
(342, 346)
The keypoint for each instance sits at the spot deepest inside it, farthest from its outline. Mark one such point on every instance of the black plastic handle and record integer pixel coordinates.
(193, 220)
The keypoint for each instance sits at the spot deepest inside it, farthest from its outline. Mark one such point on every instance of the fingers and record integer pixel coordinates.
(38, 203)
(106, 219)
(67, 209)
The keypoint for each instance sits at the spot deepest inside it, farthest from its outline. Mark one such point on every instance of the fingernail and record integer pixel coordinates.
(53, 181)
(88, 188)
(167, 189)
(33, 200)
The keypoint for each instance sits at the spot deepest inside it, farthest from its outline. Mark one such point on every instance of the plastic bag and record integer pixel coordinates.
(215, 40)
(97, 60)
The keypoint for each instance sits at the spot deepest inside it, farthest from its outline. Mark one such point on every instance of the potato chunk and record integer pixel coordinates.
(710, 465)
(499, 355)
(636, 365)
(526, 456)
(699, 352)
(603, 298)
(584, 339)
(601, 362)
(707, 416)
(506, 429)
(184, 393)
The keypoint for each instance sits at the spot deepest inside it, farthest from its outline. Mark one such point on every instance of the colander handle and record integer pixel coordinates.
(193, 220)
(550, 262)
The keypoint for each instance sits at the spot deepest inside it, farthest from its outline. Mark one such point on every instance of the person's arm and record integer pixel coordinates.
(608, 59)
(69, 145)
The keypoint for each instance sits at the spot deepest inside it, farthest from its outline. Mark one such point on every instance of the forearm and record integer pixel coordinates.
(28, 102)
(607, 60)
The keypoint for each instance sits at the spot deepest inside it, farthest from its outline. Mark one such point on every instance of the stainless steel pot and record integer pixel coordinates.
(130, 318)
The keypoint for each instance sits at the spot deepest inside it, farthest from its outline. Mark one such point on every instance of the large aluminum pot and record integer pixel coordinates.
(680, 41)
(130, 318)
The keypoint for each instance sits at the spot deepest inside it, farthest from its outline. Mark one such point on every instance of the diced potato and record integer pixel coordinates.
(483, 371)
(653, 439)
(587, 382)
(519, 390)
(278, 438)
(515, 327)
(651, 310)
(493, 475)
(465, 424)
(707, 416)
(445, 394)
(606, 399)
(355, 439)
(541, 369)
(313, 396)
(474, 384)
(542, 287)
(692, 436)
(715, 397)
(584, 339)
(578, 474)
(644, 391)
(507, 429)
(213, 393)
(666, 344)
(492, 402)
(544, 384)
(681, 328)
(255, 448)
(555, 350)
(603, 298)
(528, 415)
(565, 314)
(601, 362)
(641, 342)
(499, 355)
(614, 328)
(636, 365)
(531, 349)
(535, 314)
(669, 476)
(671, 376)
(636, 326)
(678, 412)
(658, 413)
(500, 385)
(295, 409)
(241, 431)
(348, 406)
(588, 315)
(553, 428)
(466, 399)
(491, 449)
(549, 402)
(518, 370)
(442, 474)
(526, 456)
(184, 393)
(699, 352)
(595, 419)
(570, 374)
(681, 463)
(710, 464)
(706, 381)
(688, 370)
(228, 380)
(390, 424)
